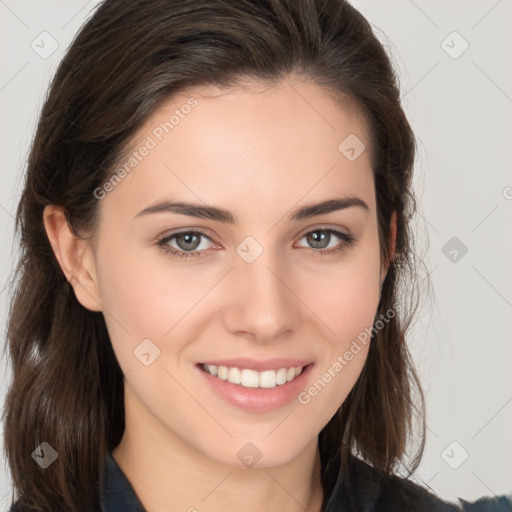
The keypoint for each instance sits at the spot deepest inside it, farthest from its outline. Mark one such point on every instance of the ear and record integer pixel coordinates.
(75, 256)
(385, 266)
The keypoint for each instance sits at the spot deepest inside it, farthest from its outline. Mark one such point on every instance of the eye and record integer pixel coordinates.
(322, 238)
(187, 244)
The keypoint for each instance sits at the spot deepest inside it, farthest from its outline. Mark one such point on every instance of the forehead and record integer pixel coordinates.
(252, 144)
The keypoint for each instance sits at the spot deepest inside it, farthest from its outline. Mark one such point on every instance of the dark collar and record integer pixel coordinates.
(118, 493)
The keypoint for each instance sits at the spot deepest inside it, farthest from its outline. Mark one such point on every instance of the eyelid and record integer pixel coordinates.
(199, 231)
(202, 232)
(207, 232)
(327, 227)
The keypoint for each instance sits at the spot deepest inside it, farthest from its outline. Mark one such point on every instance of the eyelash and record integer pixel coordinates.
(347, 242)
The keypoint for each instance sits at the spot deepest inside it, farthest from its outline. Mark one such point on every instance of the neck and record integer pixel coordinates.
(172, 475)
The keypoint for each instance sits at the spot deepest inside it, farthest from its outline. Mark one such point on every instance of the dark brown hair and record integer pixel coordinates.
(127, 59)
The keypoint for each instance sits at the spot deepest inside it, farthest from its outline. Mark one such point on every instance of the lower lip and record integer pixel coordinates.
(257, 399)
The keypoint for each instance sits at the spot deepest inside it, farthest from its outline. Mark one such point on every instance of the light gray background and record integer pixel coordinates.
(460, 108)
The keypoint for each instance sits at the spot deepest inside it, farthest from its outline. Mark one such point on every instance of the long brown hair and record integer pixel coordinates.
(129, 57)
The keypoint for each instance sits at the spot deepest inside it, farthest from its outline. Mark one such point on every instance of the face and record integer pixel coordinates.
(258, 286)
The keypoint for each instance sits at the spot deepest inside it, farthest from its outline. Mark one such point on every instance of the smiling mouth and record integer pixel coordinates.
(251, 378)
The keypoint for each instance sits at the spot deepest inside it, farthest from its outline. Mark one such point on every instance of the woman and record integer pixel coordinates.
(214, 230)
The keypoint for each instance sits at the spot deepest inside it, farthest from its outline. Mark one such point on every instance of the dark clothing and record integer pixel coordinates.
(119, 495)
(370, 493)
(373, 493)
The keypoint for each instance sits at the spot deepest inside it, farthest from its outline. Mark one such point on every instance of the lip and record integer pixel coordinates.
(256, 399)
(258, 365)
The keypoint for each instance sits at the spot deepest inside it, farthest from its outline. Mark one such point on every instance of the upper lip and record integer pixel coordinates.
(259, 365)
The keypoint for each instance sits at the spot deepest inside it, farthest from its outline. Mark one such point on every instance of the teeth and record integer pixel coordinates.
(252, 378)
(234, 375)
(281, 376)
(249, 379)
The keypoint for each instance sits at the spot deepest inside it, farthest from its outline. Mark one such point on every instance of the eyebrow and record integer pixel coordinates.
(221, 215)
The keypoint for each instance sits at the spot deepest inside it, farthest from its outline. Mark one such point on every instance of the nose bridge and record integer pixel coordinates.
(262, 303)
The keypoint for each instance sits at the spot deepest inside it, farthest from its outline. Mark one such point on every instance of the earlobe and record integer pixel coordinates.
(75, 257)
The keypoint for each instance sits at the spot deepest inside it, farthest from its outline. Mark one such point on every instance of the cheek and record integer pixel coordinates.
(147, 301)
(343, 358)
(346, 301)
(345, 297)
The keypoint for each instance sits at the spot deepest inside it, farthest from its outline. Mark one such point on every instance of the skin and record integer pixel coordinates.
(261, 153)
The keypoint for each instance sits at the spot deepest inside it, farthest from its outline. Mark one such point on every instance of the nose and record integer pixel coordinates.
(262, 304)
